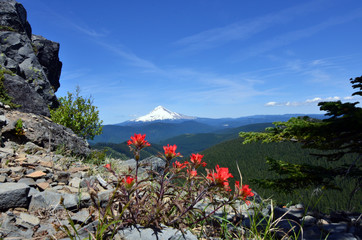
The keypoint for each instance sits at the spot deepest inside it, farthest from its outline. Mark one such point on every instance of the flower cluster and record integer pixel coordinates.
(220, 177)
(170, 152)
(138, 141)
(243, 191)
(169, 196)
(196, 159)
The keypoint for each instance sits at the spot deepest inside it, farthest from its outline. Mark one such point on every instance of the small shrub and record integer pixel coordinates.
(19, 128)
(78, 114)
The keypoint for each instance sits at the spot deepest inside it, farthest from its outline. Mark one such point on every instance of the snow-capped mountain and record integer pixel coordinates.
(161, 113)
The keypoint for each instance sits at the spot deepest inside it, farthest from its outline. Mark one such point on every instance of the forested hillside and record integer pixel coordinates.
(251, 159)
(121, 150)
(194, 143)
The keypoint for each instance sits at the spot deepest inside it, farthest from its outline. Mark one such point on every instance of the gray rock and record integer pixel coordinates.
(75, 182)
(51, 200)
(14, 15)
(28, 181)
(13, 195)
(47, 54)
(81, 217)
(2, 179)
(33, 60)
(41, 131)
(286, 223)
(10, 229)
(309, 220)
(342, 236)
(167, 233)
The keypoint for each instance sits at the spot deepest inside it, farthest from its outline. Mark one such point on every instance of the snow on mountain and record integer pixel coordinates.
(161, 113)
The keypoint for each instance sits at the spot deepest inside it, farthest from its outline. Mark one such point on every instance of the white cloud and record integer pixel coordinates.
(316, 99)
(307, 102)
(271, 104)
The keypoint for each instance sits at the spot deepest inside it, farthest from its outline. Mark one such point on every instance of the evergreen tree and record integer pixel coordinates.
(332, 138)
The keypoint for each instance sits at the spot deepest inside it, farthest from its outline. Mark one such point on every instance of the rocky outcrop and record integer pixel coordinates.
(40, 131)
(32, 59)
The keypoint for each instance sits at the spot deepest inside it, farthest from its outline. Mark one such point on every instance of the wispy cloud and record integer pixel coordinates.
(313, 101)
(132, 58)
(243, 30)
(292, 36)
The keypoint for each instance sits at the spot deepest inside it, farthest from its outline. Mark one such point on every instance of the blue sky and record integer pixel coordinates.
(205, 58)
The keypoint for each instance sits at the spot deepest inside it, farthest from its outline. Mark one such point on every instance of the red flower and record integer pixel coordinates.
(196, 159)
(138, 140)
(108, 166)
(170, 152)
(128, 181)
(178, 165)
(243, 191)
(220, 177)
(192, 173)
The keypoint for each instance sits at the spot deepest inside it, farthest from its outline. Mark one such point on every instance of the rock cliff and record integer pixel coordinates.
(33, 61)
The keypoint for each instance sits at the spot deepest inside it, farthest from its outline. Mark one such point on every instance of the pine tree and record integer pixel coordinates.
(339, 135)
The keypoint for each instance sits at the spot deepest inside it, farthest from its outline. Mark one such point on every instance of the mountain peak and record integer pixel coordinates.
(161, 113)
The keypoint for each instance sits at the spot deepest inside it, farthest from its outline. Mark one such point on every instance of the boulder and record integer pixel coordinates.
(13, 195)
(41, 131)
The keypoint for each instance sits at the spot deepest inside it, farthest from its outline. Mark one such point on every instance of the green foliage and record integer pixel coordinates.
(78, 114)
(193, 143)
(97, 157)
(19, 130)
(332, 138)
(6, 29)
(4, 97)
(251, 160)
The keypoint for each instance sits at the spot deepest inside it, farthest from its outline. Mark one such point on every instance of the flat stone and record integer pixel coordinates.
(46, 164)
(31, 219)
(81, 217)
(36, 174)
(78, 169)
(17, 169)
(43, 185)
(75, 182)
(2, 179)
(50, 199)
(142, 233)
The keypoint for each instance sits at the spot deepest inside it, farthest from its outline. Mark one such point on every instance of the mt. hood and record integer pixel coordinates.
(161, 113)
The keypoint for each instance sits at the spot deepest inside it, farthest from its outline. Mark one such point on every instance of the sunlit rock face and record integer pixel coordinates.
(32, 59)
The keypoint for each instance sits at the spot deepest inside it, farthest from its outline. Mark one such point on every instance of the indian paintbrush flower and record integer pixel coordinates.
(192, 173)
(243, 191)
(138, 141)
(179, 166)
(220, 177)
(128, 181)
(170, 152)
(196, 159)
